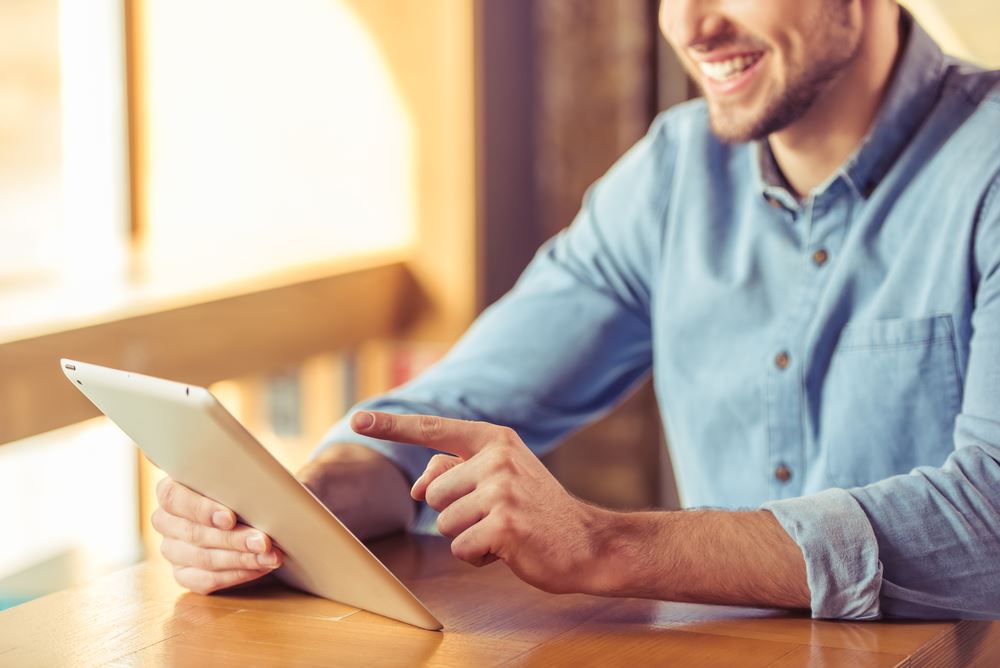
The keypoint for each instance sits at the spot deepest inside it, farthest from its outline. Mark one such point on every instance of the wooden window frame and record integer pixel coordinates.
(203, 338)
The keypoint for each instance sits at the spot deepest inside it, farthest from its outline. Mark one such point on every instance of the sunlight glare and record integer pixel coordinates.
(276, 137)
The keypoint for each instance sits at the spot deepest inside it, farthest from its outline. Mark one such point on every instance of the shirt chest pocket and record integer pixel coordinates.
(890, 398)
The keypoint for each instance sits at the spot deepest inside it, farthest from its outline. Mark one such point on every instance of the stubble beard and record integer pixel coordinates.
(798, 96)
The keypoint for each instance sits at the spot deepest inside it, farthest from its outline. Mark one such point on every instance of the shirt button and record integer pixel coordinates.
(782, 360)
(783, 473)
(820, 257)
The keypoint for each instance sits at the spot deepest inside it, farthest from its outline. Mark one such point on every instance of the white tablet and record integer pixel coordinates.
(186, 432)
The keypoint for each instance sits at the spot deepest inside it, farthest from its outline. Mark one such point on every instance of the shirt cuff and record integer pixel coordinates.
(841, 553)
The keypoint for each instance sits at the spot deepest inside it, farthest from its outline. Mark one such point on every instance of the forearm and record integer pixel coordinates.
(704, 556)
(362, 487)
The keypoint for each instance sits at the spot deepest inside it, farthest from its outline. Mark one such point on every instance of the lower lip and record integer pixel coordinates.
(732, 86)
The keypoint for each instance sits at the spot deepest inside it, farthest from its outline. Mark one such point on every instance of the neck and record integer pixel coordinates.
(813, 147)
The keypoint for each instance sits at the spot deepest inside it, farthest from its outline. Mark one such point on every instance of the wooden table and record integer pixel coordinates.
(140, 617)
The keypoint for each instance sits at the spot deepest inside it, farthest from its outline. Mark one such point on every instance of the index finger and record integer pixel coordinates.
(459, 437)
(178, 500)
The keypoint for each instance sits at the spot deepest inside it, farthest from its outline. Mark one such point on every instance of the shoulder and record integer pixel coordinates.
(980, 92)
(675, 137)
(690, 115)
(624, 212)
(972, 95)
(683, 124)
(966, 126)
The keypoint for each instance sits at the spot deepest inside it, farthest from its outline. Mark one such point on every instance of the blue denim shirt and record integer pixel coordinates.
(835, 360)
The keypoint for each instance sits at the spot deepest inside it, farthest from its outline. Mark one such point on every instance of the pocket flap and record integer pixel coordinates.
(894, 333)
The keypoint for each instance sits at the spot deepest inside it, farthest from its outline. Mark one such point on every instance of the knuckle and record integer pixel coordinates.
(498, 461)
(199, 534)
(436, 496)
(204, 510)
(505, 524)
(444, 525)
(157, 519)
(167, 494)
(429, 426)
(508, 526)
(500, 495)
(190, 533)
(439, 462)
(491, 493)
(435, 499)
(206, 559)
(508, 436)
(223, 559)
(236, 540)
(460, 550)
(389, 423)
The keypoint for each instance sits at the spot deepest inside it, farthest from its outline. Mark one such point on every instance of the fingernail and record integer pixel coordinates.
(363, 421)
(220, 518)
(269, 559)
(256, 543)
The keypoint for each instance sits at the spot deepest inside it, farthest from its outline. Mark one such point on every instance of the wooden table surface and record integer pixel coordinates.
(139, 617)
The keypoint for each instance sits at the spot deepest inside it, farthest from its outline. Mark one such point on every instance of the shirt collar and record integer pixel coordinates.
(908, 99)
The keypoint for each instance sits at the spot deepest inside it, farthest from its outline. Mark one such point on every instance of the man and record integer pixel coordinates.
(807, 260)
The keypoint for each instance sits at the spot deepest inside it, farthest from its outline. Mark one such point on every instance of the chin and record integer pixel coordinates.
(747, 118)
(736, 128)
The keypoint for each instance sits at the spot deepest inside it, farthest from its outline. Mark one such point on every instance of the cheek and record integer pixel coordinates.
(809, 38)
(779, 69)
(794, 51)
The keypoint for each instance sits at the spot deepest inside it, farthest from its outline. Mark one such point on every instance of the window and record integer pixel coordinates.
(69, 496)
(274, 135)
(62, 140)
(30, 150)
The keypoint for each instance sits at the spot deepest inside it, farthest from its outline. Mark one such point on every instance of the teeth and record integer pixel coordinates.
(723, 70)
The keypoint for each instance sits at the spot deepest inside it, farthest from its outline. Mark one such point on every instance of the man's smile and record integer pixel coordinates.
(729, 73)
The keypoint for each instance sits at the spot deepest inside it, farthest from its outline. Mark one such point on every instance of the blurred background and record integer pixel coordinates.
(299, 204)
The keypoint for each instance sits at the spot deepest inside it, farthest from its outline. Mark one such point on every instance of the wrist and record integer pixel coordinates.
(625, 545)
(362, 487)
(608, 571)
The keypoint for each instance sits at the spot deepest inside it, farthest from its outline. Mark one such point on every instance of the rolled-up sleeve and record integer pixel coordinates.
(841, 553)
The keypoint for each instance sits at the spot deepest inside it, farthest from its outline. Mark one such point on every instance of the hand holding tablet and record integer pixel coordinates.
(211, 551)
(208, 548)
(223, 482)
